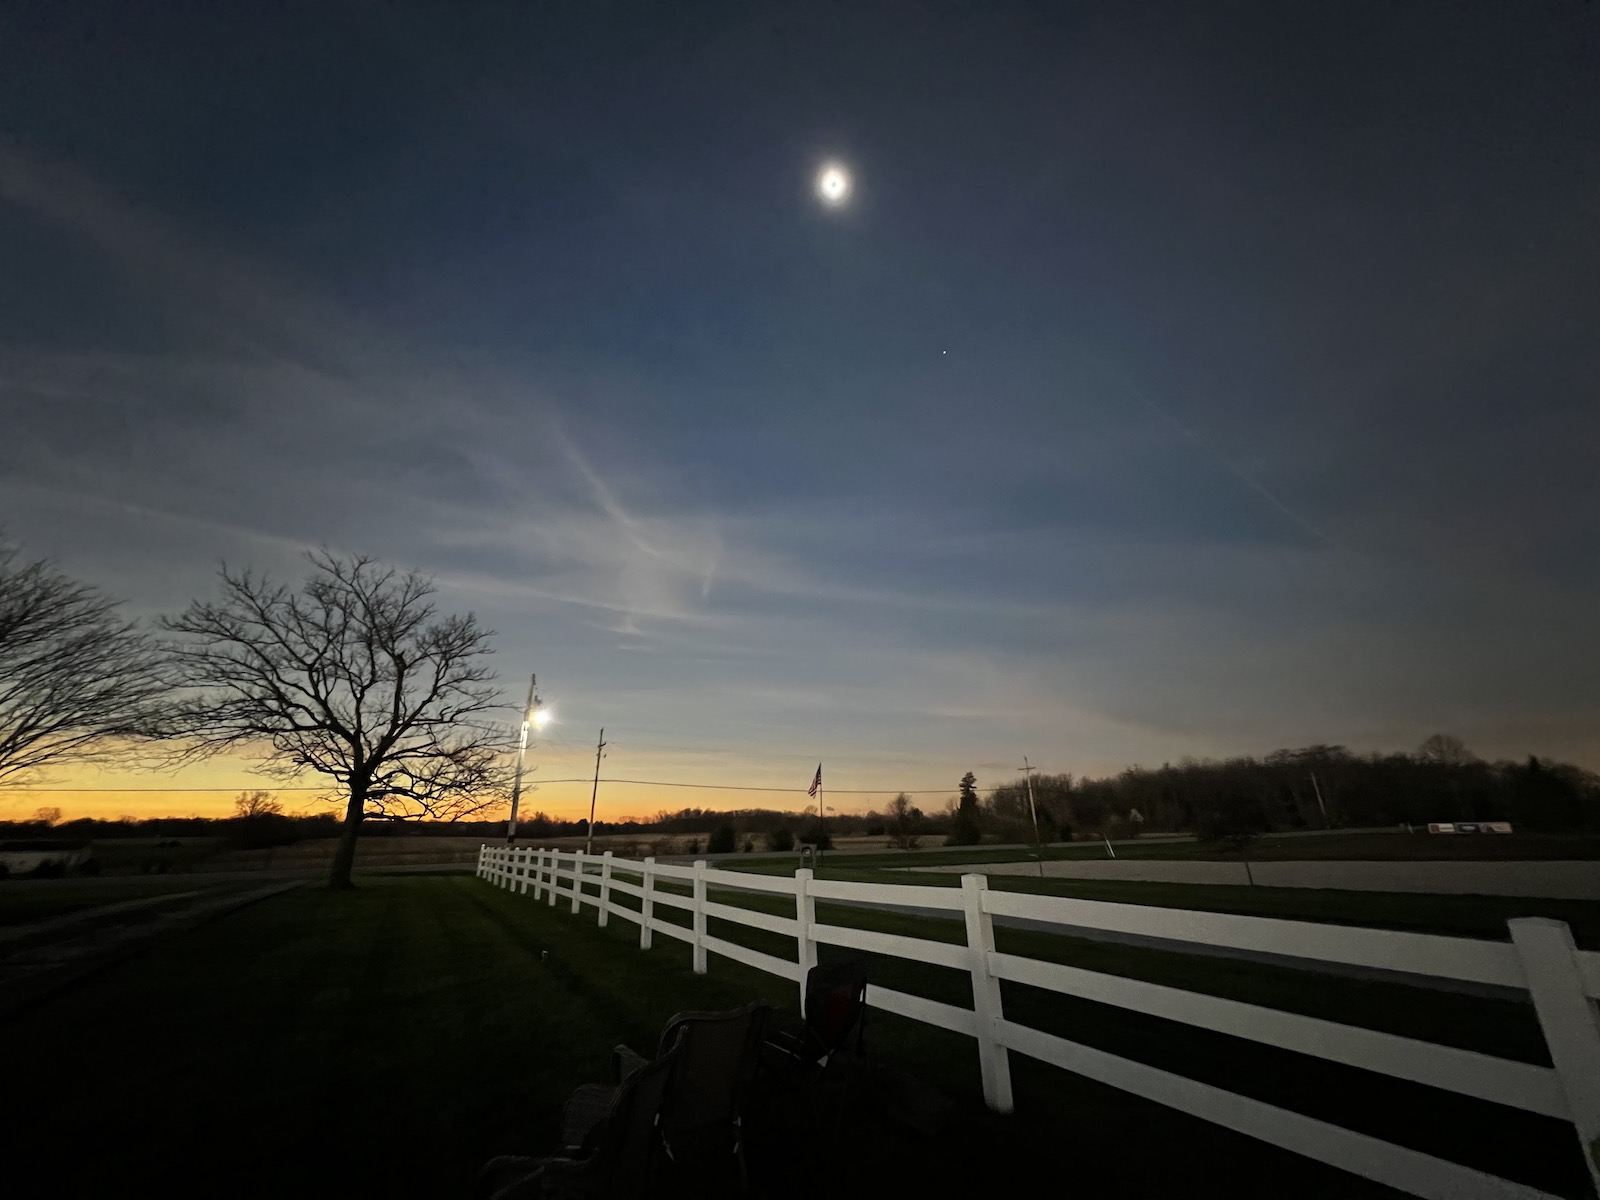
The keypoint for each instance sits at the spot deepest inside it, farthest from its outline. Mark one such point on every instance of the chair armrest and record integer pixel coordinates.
(583, 1113)
(625, 1062)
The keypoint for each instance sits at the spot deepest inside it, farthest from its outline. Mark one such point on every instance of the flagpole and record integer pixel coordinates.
(822, 817)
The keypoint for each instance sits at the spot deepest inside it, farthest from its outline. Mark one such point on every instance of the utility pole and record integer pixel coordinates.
(1318, 790)
(522, 758)
(599, 747)
(1027, 773)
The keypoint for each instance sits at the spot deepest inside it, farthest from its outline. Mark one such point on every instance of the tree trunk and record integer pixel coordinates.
(344, 858)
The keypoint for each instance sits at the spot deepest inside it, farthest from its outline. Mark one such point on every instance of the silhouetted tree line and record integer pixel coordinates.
(1313, 787)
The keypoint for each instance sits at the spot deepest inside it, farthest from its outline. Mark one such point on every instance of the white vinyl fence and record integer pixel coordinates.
(1561, 980)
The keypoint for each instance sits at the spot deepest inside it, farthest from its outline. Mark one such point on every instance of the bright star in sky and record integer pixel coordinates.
(833, 184)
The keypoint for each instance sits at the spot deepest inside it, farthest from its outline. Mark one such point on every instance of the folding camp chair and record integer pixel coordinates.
(701, 1119)
(825, 1053)
(620, 1158)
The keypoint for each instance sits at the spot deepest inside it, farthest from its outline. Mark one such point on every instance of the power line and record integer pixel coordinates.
(723, 787)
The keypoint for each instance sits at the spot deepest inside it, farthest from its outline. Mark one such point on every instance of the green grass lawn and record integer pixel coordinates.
(1396, 846)
(1365, 847)
(388, 1041)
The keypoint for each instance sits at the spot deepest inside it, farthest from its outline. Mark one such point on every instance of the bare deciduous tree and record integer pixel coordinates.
(903, 822)
(256, 804)
(76, 680)
(355, 677)
(1447, 749)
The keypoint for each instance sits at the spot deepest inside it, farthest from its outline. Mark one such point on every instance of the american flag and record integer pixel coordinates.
(815, 783)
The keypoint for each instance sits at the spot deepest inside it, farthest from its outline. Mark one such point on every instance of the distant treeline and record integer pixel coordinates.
(1313, 788)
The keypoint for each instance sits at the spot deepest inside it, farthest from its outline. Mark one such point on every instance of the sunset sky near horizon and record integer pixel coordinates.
(1174, 380)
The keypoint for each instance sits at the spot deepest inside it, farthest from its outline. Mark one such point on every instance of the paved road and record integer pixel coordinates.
(1546, 880)
(38, 960)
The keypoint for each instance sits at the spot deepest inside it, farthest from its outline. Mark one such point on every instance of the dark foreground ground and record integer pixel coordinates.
(388, 1041)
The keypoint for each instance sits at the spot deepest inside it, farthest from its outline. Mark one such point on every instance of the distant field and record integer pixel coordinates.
(151, 856)
(1420, 847)
(1386, 846)
(379, 851)
(1467, 916)
(291, 1041)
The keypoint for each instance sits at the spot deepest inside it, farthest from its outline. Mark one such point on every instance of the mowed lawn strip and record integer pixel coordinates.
(1381, 846)
(387, 1040)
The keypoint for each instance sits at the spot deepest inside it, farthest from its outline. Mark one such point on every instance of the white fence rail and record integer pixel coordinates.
(1562, 983)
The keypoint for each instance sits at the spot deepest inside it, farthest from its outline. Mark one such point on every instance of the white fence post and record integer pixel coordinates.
(699, 916)
(647, 903)
(479, 871)
(577, 880)
(523, 854)
(1567, 1017)
(992, 1056)
(555, 875)
(805, 916)
(605, 887)
(538, 873)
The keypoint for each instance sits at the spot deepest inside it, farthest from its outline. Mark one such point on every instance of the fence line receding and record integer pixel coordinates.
(1561, 981)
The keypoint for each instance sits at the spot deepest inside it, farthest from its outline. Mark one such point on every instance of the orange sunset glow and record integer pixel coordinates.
(559, 783)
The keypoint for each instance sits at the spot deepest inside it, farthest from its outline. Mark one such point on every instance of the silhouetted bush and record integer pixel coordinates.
(1232, 824)
(817, 836)
(722, 840)
(781, 840)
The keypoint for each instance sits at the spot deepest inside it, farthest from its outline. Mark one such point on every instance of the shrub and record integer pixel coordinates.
(723, 840)
(749, 845)
(781, 840)
(1232, 824)
(964, 829)
(817, 836)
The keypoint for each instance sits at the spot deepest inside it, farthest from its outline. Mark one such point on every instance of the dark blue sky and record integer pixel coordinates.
(1178, 380)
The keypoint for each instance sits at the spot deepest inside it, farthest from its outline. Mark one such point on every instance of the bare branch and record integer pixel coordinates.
(76, 681)
(355, 677)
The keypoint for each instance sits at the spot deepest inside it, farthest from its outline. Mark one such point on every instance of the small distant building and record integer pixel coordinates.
(26, 856)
